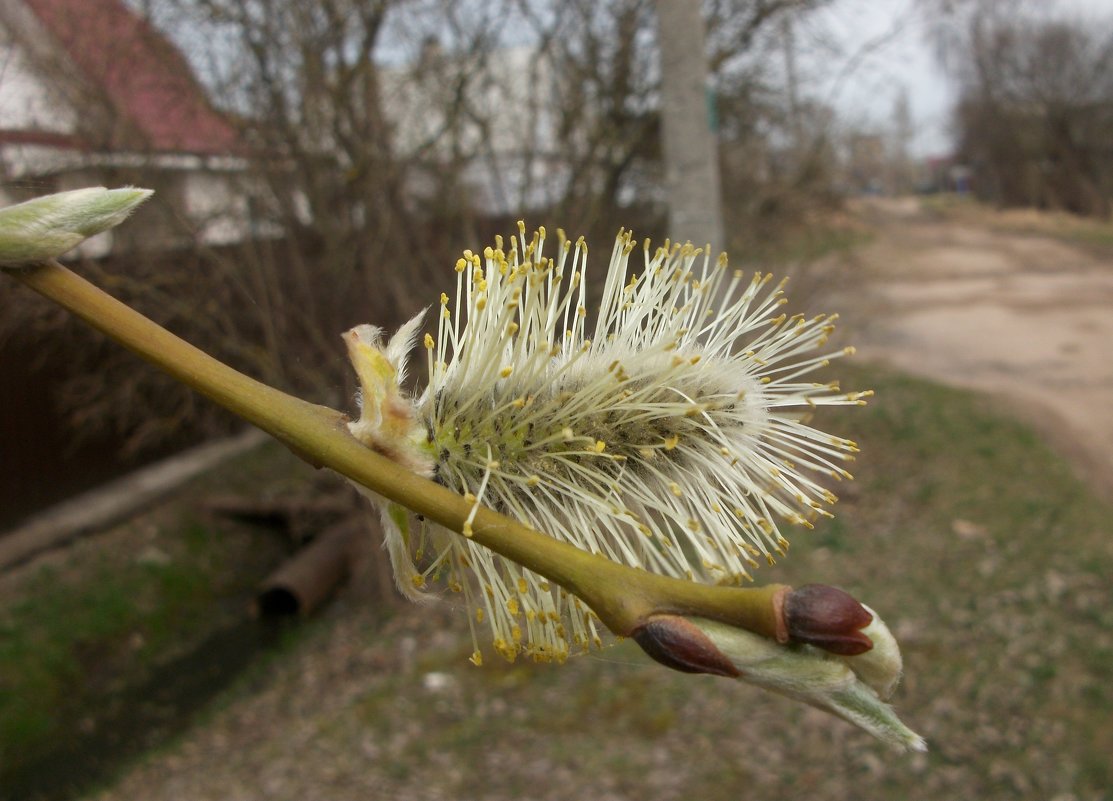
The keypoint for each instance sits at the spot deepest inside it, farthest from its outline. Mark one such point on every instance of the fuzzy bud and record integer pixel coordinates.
(47, 227)
(829, 682)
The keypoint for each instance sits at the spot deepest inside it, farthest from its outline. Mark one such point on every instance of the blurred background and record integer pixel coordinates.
(189, 612)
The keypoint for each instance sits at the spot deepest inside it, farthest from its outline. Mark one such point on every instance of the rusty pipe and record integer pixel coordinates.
(309, 577)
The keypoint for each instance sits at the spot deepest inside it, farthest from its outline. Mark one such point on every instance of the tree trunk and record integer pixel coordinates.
(691, 155)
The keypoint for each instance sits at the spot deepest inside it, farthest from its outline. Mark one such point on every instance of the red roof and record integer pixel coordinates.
(144, 76)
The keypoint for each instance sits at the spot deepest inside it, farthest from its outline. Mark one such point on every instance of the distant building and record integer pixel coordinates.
(492, 120)
(91, 93)
(867, 165)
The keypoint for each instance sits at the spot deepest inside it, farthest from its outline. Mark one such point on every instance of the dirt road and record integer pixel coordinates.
(1022, 315)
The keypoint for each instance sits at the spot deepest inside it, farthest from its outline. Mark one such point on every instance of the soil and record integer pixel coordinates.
(374, 704)
(1016, 313)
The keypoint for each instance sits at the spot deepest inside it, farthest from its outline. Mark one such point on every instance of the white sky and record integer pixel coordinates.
(857, 56)
(886, 51)
(888, 44)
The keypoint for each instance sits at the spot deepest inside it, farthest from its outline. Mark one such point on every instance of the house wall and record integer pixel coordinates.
(46, 109)
(494, 121)
(27, 102)
(216, 205)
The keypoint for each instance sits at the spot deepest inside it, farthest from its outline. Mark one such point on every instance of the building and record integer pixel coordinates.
(487, 122)
(91, 94)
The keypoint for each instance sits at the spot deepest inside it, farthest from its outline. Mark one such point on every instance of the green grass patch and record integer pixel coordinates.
(66, 640)
(803, 243)
(85, 625)
(980, 543)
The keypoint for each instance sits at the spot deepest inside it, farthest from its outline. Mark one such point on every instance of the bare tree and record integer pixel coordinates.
(383, 136)
(1035, 108)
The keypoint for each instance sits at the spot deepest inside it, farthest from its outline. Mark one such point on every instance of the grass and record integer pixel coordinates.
(62, 633)
(80, 626)
(990, 554)
(980, 547)
(1094, 235)
(805, 245)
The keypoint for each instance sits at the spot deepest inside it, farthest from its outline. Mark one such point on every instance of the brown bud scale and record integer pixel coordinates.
(680, 645)
(828, 618)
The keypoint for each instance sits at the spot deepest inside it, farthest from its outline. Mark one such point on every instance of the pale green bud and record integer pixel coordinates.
(47, 227)
(846, 686)
(881, 666)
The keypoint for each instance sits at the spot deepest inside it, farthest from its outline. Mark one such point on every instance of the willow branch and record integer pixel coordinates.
(623, 597)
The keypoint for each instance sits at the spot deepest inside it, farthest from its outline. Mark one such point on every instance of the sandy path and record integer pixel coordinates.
(1023, 316)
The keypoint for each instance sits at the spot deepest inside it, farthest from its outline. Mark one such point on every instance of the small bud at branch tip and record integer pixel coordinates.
(46, 227)
(828, 618)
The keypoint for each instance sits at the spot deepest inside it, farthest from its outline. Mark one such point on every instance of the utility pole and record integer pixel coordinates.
(691, 153)
(788, 46)
(900, 161)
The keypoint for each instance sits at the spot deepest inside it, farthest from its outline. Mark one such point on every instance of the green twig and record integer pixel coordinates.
(622, 597)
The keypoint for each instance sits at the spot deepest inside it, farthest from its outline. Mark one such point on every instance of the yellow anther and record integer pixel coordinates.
(506, 371)
(600, 446)
(429, 342)
(461, 265)
(675, 489)
(672, 442)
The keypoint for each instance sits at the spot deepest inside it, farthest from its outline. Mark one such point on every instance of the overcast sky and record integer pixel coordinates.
(886, 47)
(885, 50)
(857, 56)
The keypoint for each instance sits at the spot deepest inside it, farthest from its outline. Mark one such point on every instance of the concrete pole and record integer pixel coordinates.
(691, 154)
